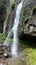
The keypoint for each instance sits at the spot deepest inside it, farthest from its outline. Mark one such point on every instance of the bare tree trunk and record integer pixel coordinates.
(7, 15)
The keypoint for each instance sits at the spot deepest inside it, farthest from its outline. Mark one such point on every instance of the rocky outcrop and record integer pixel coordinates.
(27, 23)
(30, 26)
(4, 51)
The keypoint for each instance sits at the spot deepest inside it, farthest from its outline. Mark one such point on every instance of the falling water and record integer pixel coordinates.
(14, 47)
(15, 28)
(1, 64)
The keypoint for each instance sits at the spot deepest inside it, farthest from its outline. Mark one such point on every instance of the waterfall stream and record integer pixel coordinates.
(15, 29)
(14, 46)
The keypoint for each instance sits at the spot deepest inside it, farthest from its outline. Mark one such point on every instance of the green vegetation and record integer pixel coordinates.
(2, 17)
(29, 52)
(1, 7)
(13, 5)
(33, 9)
(31, 55)
(2, 37)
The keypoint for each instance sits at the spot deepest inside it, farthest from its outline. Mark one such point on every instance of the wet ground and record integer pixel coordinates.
(12, 61)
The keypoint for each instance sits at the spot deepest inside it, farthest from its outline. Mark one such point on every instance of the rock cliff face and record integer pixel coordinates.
(30, 26)
(27, 23)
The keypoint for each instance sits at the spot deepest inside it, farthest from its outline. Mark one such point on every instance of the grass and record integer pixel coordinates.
(30, 53)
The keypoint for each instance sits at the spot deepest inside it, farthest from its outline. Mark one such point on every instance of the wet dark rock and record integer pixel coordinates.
(30, 27)
(4, 51)
(18, 1)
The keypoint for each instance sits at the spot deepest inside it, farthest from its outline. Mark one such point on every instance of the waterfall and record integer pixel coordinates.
(15, 28)
(14, 47)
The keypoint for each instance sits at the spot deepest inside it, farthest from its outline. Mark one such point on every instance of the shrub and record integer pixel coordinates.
(2, 37)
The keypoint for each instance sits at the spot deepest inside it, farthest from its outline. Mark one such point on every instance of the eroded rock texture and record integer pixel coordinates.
(27, 23)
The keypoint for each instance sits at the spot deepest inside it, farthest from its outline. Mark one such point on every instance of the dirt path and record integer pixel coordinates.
(12, 61)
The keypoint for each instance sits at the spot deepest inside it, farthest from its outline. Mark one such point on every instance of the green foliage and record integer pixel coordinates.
(29, 52)
(33, 9)
(13, 5)
(10, 40)
(2, 17)
(29, 17)
(1, 7)
(23, 15)
(2, 37)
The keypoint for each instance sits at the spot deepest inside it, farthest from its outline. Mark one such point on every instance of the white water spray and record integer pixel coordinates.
(15, 29)
(14, 47)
